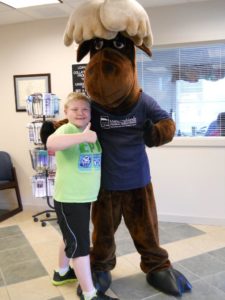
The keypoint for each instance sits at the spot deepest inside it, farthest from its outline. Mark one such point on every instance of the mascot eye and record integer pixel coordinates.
(98, 44)
(118, 44)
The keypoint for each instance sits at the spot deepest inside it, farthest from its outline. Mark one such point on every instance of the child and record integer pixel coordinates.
(77, 182)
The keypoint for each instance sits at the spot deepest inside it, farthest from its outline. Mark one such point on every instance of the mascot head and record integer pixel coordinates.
(109, 30)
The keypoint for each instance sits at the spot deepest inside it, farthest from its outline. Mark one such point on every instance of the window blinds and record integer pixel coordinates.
(189, 83)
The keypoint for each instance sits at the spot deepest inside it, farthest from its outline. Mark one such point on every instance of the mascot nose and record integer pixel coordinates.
(108, 68)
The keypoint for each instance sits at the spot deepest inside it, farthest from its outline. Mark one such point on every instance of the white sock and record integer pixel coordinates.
(89, 295)
(63, 271)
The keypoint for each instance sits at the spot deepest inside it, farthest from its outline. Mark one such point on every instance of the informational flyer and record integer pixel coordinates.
(78, 77)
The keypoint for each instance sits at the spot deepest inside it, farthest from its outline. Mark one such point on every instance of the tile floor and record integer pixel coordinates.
(28, 255)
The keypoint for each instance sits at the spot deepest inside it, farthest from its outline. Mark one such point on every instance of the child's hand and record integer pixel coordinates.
(89, 135)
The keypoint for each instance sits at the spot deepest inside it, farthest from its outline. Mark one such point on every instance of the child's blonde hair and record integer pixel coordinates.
(76, 96)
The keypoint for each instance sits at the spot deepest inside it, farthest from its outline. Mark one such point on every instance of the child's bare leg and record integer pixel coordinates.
(82, 269)
(63, 260)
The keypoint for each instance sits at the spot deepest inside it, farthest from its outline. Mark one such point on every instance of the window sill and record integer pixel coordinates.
(197, 142)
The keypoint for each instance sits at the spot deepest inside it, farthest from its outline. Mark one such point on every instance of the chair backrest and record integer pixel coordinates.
(5, 167)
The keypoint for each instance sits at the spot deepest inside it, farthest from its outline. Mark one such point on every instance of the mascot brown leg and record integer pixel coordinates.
(139, 211)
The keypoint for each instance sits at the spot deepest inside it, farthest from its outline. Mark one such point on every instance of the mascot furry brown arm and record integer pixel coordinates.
(125, 119)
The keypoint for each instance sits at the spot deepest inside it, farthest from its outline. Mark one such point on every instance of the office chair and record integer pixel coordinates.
(8, 180)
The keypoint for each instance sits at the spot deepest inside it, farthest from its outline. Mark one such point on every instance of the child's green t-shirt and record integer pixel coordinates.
(78, 170)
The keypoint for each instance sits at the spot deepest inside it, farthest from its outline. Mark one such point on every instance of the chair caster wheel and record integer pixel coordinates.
(43, 224)
(35, 219)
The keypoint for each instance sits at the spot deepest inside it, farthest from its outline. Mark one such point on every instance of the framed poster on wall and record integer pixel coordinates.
(25, 85)
(78, 78)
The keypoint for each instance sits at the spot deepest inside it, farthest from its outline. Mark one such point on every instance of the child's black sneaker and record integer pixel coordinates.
(69, 276)
(100, 296)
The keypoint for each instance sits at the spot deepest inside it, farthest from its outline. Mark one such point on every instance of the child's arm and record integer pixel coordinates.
(63, 141)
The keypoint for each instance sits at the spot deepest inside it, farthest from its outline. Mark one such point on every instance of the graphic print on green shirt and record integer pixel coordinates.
(88, 157)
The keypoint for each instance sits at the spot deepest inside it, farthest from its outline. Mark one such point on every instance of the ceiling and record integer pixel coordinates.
(9, 15)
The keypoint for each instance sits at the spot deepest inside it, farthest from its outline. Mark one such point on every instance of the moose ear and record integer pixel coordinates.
(83, 50)
(145, 49)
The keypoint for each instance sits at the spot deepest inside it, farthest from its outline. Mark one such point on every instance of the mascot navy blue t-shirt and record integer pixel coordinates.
(115, 132)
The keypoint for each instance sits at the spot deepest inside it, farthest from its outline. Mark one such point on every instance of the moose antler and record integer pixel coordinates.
(127, 16)
(105, 18)
(84, 24)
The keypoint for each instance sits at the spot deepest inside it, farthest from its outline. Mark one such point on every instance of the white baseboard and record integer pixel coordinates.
(192, 220)
(162, 217)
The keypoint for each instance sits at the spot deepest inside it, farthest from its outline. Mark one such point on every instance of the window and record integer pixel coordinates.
(189, 83)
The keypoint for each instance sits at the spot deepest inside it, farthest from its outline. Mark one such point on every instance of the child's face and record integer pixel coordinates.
(78, 113)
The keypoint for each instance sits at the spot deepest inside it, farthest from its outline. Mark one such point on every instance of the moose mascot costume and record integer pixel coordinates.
(126, 120)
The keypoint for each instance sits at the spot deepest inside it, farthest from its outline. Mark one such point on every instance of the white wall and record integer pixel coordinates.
(189, 181)
(191, 22)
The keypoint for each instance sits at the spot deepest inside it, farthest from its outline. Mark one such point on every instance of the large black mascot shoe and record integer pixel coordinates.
(102, 281)
(169, 281)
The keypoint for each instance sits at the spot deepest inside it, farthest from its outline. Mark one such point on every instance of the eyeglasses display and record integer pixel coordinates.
(42, 106)
(42, 160)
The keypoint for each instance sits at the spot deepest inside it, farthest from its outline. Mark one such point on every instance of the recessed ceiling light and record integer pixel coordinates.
(27, 3)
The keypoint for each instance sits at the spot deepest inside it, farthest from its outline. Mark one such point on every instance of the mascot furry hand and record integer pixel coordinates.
(125, 119)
